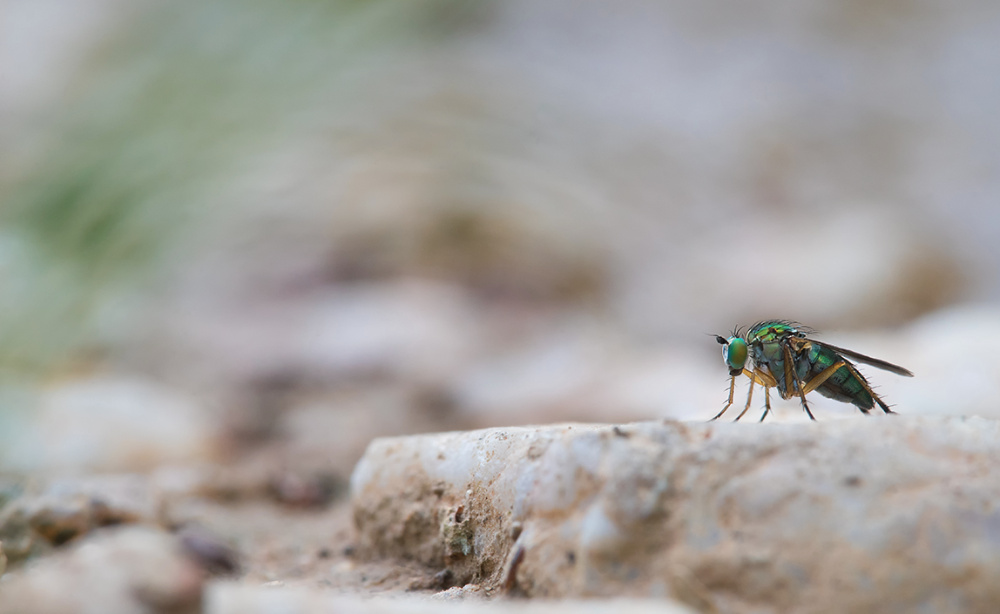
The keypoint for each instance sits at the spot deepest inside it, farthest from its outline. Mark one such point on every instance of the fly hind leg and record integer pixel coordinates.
(826, 373)
(868, 388)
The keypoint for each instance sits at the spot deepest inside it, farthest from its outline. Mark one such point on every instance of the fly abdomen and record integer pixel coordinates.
(843, 385)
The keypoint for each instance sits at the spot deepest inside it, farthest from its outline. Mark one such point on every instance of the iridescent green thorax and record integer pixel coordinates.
(765, 339)
(772, 332)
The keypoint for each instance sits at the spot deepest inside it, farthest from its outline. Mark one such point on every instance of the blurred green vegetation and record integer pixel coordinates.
(134, 151)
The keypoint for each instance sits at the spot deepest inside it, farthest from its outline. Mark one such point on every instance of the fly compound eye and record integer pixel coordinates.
(735, 354)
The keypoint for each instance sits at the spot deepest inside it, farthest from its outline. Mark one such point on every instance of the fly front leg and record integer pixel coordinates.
(756, 377)
(732, 387)
(765, 380)
(753, 381)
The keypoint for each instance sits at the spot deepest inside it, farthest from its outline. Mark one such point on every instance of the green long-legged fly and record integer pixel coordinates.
(782, 356)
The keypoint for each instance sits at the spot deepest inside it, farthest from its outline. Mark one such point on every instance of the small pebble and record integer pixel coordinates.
(210, 552)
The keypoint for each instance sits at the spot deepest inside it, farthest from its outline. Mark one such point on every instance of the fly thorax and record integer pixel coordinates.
(771, 352)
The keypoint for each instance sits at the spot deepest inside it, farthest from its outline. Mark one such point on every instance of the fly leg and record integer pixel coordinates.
(824, 375)
(791, 374)
(868, 388)
(767, 403)
(753, 380)
(756, 377)
(828, 372)
(765, 380)
(732, 387)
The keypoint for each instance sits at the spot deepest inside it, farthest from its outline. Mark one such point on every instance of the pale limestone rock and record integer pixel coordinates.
(108, 423)
(876, 514)
(62, 510)
(128, 570)
(233, 598)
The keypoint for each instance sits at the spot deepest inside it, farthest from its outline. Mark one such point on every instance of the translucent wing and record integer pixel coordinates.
(868, 360)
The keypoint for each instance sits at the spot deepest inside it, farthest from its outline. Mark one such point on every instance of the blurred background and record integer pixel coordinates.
(268, 231)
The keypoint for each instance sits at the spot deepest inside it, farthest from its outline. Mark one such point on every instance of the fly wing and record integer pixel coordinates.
(868, 360)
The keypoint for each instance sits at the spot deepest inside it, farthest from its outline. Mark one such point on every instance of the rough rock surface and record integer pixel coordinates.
(886, 514)
(230, 598)
(39, 518)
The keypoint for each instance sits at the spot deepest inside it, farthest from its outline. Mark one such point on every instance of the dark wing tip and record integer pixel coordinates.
(878, 363)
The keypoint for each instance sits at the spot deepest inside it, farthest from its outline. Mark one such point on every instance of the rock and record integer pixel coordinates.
(62, 510)
(20, 539)
(406, 329)
(231, 598)
(3, 560)
(127, 570)
(108, 423)
(304, 491)
(887, 514)
(213, 554)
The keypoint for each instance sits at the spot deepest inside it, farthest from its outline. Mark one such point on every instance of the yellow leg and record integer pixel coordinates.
(765, 380)
(824, 375)
(732, 387)
(788, 371)
(749, 399)
(756, 377)
(828, 372)
(762, 378)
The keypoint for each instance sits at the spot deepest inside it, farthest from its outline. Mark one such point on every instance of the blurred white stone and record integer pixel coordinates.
(108, 423)
(421, 331)
(951, 353)
(116, 572)
(549, 370)
(886, 514)
(414, 330)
